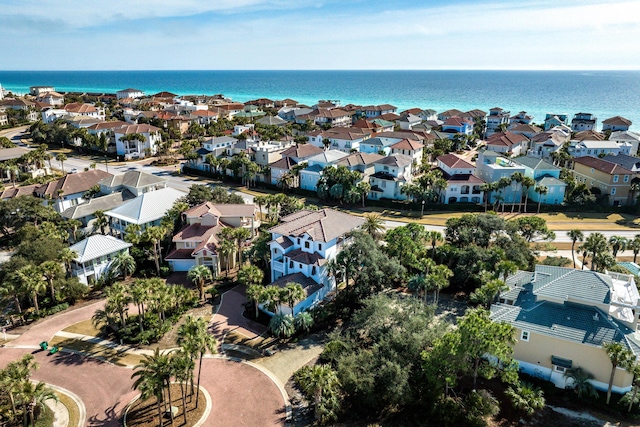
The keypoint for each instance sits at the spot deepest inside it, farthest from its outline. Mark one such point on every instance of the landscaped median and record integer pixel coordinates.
(97, 348)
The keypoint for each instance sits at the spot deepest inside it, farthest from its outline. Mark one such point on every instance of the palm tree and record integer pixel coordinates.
(61, 158)
(517, 177)
(101, 222)
(486, 189)
(373, 225)
(150, 375)
(542, 190)
(33, 395)
(439, 279)
(12, 173)
(634, 369)
(321, 383)
(260, 201)
(226, 248)
(303, 321)
(31, 278)
(198, 274)
(527, 182)
(634, 245)
(292, 293)
(51, 270)
(124, 264)
(255, 293)
(434, 236)
(282, 325)
(250, 275)
(506, 268)
(618, 244)
(619, 355)
(363, 188)
(418, 283)
(581, 382)
(154, 235)
(118, 300)
(196, 341)
(140, 296)
(526, 397)
(575, 235)
(596, 244)
(183, 367)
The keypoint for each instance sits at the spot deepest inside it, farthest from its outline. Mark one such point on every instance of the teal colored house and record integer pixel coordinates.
(544, 174)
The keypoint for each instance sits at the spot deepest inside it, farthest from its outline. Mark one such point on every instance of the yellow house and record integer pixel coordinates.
(563, 317)
(610, 178)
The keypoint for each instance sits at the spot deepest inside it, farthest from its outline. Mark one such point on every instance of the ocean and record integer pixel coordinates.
(603, 93)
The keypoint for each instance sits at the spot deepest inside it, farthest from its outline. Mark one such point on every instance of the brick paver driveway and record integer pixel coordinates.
(229, 316)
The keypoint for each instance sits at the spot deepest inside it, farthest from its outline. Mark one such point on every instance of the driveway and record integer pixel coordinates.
(229, 316)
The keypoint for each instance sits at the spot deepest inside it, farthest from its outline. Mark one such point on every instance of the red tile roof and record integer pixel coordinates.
(454, 162)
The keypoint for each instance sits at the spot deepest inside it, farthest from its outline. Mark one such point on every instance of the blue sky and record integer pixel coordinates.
(321, 34)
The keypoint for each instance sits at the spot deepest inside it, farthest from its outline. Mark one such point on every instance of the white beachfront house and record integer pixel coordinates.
(94, 256)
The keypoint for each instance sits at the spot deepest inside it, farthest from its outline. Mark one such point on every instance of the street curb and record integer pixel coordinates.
(81, 408)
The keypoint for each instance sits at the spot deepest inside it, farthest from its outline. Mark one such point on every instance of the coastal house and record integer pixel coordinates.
(457, 125)
(508, 143)
(490, 167)
(628, 138)
(603, 177)
(301, 247)
(94, 256)
(4, 118)
(596, 148)
(361, 162)
(334, 117)
(345, 139)
(391, 173)
(144, 211)
(206, 117)
(84, 110)
(524, 129)
(449, 113)
(544, 144)
(373, 111)
(197, 243)
(521, 118)
(462, 184)
(38, 90)
(563, 317)
(583, 121)
(53, 99)
(85, 212)
(136, 148)
(310, 175)
(411, 148)
(544, 174)
(136, 182)
(496, 118)
(408, 121)
(616, 123)
(553, 120)
(129, 93)
(292, 156)
(70, 190)
(271, 152)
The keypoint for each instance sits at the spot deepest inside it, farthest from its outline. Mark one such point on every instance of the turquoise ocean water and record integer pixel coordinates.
(603, 93)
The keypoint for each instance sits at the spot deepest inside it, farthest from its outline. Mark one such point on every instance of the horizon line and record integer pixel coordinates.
(336, 69)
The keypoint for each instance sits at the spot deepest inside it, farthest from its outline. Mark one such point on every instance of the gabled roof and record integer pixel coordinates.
(148, 207)
(128, 129)
(460, 178)
(328, 156)
(322, 226)
(451, 113)
(284, 163)
(617, 120)
(301, 151)
(359, 159)
(624, 135)
(222, 210)
(602, 165)
(535, 163)
(72, 183)
(96, 246)
(588, 135)
(80, 108)
(103, 203)
(628, 162)
(549, 181)
(271, 121)
(11, 192)
(399, 160)
(134, 179)
(130, 90)
(454, 162)
(521, 127)
(407, 144)
(12, 153)
(506, 139)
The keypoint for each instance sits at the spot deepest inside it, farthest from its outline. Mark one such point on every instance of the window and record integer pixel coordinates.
(306, 245)
(591, 170)
(626, 178)
(290, 264)
(313, 270)
(613, 191)
(524, 336)
(386, 168)
(319, 246)
(615, 178)
(383, 184)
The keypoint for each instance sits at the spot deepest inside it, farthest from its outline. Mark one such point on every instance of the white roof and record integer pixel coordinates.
(599, 144)
(96, 246)
(148, 207)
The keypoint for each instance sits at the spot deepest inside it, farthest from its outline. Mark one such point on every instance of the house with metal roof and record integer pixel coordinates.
(137, 182)
(564, 316)
(145, 210)
(95, 255)
(302, 245)
(310, 175)
(544, 174)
